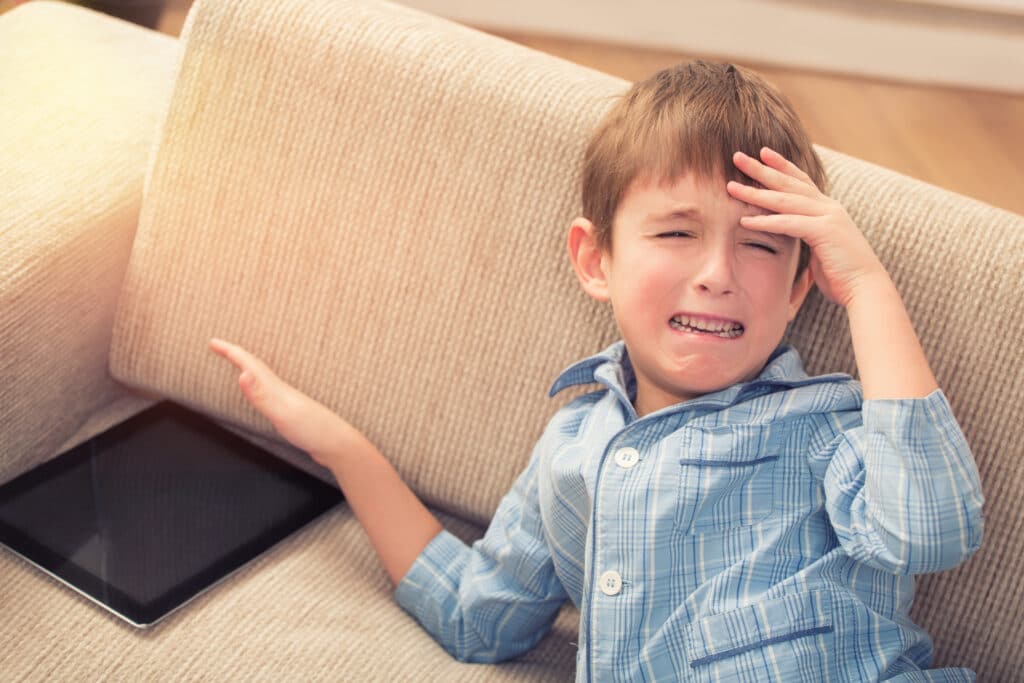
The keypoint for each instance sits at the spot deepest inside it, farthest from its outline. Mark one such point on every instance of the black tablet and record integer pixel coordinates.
(152, 512)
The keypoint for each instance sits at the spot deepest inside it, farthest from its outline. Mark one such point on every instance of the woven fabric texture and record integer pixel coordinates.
(81, 98)
(375, 202)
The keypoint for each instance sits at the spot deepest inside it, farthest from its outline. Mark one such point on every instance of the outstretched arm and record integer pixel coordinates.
(398, 524)
(890, 360)
(453, 590)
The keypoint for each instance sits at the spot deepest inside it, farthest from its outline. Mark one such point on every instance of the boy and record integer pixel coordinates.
(715, 513)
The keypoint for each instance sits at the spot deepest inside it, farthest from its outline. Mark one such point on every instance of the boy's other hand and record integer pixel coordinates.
(398, 524)
(301, 420)
(841, 258)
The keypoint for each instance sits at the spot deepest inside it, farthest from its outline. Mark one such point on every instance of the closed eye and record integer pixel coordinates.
(765, 247)
(675, 233)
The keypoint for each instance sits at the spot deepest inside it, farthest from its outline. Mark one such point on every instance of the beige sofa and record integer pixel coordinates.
(374, 201)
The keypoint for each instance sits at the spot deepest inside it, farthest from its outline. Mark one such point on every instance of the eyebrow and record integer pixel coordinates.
(771, 236)
(687, 212)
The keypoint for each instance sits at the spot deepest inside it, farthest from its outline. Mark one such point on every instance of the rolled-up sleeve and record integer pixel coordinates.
(496, 599)
(901, 488)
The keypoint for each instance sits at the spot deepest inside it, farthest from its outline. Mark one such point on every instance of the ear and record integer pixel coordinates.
(801, 288)
(588, 259)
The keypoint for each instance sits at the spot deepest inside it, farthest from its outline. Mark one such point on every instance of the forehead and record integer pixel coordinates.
(689, 196)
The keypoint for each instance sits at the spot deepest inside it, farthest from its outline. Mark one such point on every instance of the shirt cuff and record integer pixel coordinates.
(921, 425)
(884, 410)
(433, 578)
(923, 493)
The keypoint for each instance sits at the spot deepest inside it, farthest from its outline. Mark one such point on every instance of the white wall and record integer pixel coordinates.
(970, 43)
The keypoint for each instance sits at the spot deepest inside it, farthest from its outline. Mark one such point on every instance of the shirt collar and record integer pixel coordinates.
(613, 369)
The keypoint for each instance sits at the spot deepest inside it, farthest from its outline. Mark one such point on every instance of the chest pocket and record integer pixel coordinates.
(727, 477)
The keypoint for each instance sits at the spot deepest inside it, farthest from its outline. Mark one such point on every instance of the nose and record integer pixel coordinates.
(715, 273)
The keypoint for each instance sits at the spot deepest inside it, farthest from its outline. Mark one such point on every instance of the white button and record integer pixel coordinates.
(610, 582)
(626, 457)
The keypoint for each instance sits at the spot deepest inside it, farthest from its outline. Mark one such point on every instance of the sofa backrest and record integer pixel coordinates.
(375, 202)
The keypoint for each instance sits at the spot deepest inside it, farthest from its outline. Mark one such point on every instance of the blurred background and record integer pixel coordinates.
(930, 88)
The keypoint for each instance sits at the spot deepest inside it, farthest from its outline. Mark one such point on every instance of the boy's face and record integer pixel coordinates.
(700, 301)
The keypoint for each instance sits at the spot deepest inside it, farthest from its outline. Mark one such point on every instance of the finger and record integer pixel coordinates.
(800, 227)
(772, 158)
(772, 178)
(232, 352)
(774, 200)
(219, 345)
(239, 356)
(226, 349)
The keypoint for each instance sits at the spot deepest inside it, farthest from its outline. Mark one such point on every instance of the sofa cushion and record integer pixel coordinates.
(316, 608)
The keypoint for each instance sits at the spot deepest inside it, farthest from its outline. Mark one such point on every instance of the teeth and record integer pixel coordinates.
(718, 328)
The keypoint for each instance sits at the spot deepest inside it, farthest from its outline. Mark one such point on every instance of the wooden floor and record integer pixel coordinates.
(968, 141)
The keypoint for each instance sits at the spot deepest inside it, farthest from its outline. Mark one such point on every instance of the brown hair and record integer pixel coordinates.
(690, 117)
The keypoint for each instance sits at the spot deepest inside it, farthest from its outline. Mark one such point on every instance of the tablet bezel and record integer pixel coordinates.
(321, 498)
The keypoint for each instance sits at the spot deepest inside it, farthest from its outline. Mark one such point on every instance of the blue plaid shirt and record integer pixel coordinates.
(767, 531)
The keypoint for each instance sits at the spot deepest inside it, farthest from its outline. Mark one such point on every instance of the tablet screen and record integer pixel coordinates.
(150, 513)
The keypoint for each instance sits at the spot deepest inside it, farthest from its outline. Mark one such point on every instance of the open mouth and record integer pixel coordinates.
(726, 329)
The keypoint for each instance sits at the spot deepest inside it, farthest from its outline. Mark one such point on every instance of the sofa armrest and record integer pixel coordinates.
(82, 96)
